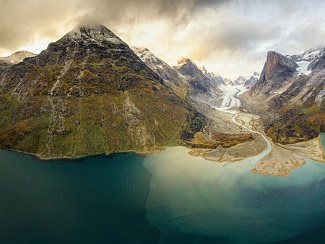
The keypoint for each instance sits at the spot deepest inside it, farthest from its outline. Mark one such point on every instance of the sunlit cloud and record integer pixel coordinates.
(229, 37)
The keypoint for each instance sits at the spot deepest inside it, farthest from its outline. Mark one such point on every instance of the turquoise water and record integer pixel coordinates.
(167, 197)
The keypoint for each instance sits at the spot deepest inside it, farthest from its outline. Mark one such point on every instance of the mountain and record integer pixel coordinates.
(89, 93)
(252, 80)
(160, 67)
(276, 73)
(216, 79)
(17, 57)
(289, 96)
(184, 78)
(239, 81)
(14, 58)
(197, 82)
(311, 59)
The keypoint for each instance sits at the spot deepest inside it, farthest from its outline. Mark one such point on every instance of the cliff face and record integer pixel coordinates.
(290, 98)
(277, 70)
(88, 93)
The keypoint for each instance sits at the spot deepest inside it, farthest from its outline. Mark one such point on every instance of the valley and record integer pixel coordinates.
(276, 159)
(90, 93)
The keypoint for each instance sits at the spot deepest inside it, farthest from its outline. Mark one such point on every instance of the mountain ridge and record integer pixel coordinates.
(89, 93)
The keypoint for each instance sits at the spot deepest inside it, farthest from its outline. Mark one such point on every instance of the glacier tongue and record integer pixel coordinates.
(303, 67)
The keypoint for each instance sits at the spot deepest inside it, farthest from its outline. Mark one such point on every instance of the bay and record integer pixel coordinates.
(166, 197)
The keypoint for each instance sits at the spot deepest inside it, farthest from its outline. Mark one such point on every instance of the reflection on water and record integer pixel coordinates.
(198, 201)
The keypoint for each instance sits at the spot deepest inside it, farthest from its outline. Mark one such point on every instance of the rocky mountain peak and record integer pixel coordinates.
(277, 70)
(276, 60)
(184, 60)
(187, 67)
(92, 33)
(160, 67)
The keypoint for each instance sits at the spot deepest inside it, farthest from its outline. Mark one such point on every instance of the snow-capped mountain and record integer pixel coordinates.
(252, 80)
(214, 77)
(247, 81)
(195, 79)
(306, 61)
(167, 73)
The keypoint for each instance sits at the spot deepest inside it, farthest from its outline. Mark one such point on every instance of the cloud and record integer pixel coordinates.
(204, 30)
(135, 11)
(22, 21)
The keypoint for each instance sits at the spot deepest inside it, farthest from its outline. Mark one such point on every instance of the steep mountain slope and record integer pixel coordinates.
(290, 96)
(252, 80)
(216, 79)
(89, 93)
(277, 71)
(14, 58)
(160, 67)
(197, 82)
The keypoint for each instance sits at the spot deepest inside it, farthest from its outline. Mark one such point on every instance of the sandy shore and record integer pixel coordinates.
(281, 160)
(233, 154)
(284, 158)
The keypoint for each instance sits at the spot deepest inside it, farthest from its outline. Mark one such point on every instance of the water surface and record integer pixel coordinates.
(166, 197)
(205, 202)
(92, 200)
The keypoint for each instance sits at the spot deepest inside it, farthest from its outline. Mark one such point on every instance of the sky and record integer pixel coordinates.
(228, 37)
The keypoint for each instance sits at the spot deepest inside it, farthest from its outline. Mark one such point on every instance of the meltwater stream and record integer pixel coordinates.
(167, 197)
(192, 200)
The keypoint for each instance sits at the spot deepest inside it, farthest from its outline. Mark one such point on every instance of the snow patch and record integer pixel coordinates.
(303, 67)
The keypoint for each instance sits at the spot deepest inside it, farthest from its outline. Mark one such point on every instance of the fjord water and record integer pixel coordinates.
(166, 197)
(92, 200)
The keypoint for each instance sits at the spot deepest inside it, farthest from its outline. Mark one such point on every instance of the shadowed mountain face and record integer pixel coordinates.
(290, 96)
(198, 82)
(168, 74)
(277, 70)
(88, 93)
